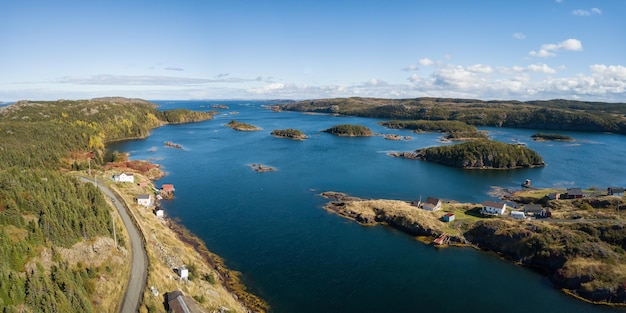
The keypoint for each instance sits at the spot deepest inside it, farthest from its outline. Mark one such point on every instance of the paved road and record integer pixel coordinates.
(139, 266)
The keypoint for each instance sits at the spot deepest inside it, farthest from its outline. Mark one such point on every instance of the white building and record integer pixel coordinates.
(494, 208)
(124, 178)
(159, 212)
(144, 199)
(432, 204)
(518, 214)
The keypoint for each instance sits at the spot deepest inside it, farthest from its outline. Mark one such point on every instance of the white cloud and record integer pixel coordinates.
(548, 50)
(581, 12)
(375, 83)
(174, 69)
(411, 67)
(426, 62)
(541, 68)
(519, 36)
(480, 68)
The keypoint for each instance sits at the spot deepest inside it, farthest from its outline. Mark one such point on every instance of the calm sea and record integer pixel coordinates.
(292, 253)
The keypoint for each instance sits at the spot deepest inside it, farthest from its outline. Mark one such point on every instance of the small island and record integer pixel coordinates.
(219, 106)
(242, 126)
(173, 145)
(549, 137)
(348, 130)
(396, 137)
(294, 134)
(453, 130)
(479, 154)
(262, 168)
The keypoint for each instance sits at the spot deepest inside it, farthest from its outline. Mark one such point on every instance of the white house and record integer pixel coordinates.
(448, 217)
(159, 212)
(124, 178)
(144, 199)
(432, 204)
(518, 214)
(495, 208)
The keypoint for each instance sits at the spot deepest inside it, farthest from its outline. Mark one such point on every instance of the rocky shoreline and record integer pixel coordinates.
(583, 259)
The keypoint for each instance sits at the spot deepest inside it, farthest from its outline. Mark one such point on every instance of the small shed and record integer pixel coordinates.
(183, 272)
(518, 214)
(448, 217)
(615, 191)
(574, 193)
(159, 212)
(167, 187)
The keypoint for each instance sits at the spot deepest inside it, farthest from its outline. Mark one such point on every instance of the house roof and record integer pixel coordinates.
(433, 201)
(617, 189)
(532, 207)
(450, 214)
(494, 204)
(167, 187)
(143, 196)
(574, 191)
(177, 302)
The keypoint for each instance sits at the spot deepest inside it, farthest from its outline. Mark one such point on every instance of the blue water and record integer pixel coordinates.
(300, 258)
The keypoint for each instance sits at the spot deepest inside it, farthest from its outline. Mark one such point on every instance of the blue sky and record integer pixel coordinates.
(522, 50)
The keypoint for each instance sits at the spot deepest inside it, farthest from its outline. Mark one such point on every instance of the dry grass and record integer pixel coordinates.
(165, 251)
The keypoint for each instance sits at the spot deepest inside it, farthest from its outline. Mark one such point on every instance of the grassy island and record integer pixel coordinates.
(349, 130)
(547, 137)
(479, 154)
(242, 126)
(289, 133)
(454, 130)
(585, 257)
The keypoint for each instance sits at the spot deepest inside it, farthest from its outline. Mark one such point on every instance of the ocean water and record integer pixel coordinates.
(300, 258)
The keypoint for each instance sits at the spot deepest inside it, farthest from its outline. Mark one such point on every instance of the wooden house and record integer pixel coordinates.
(167, 188)
(177, 302)
(432, 204)
(532, 209)
(574, 193)
(493, 208)
(124, 178)
(144, 199)
(615, 191)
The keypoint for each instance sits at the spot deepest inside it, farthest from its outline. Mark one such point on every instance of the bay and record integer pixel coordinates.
(300, 258)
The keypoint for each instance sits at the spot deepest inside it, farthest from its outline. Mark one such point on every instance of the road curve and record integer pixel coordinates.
(139, 266)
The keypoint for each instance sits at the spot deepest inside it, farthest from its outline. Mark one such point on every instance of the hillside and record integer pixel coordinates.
(478, 154)
(56, 234)
(556, 114)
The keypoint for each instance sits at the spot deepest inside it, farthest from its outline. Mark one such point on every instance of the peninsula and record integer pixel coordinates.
(580, 247)
(62, 237)
(478, 154)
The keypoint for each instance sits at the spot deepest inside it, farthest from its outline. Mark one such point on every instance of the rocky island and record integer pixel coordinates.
(479, 154)
(242, 126)
(348, 130)
(585, 257)
(289, 133)
(548, 137)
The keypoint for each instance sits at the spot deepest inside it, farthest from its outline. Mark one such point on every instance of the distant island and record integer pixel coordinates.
(262, 168)
(289, 133)
(557, 114)
(242, 126)
(547, 137)
(348, 130)
(478, 154)
(454, 130)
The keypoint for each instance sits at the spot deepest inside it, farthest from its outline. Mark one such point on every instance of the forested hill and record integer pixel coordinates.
(551, 114)
(43, 210)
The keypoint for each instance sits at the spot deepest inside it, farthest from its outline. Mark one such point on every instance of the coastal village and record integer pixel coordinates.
(185, 276)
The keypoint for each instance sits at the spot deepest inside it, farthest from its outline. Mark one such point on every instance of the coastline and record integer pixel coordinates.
(170, 244)
(571, 259)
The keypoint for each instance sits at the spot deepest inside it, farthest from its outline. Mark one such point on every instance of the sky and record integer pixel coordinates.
(275, 49)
